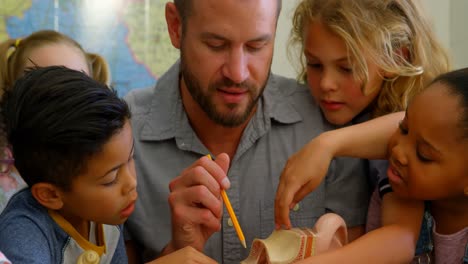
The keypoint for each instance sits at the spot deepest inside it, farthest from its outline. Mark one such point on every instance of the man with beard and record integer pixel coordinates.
(221, 99)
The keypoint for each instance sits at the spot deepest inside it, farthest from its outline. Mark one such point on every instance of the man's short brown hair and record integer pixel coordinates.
(185, 8)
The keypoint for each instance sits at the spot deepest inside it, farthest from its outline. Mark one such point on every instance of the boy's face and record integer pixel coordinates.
(106, 191)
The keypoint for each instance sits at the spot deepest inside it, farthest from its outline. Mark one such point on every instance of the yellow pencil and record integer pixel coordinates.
(231, 213)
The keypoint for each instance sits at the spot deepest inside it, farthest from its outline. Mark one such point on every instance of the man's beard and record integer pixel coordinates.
(207, 105)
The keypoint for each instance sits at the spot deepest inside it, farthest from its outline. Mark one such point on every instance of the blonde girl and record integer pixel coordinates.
(46, 48)
(386, 49)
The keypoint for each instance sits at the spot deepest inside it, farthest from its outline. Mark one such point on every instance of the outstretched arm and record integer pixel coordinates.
(187, 255)
(395, 242)
(306, 169)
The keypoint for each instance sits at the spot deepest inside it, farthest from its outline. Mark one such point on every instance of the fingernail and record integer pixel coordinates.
(225, 183)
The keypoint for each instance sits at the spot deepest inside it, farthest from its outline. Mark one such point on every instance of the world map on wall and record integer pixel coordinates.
(130, 34)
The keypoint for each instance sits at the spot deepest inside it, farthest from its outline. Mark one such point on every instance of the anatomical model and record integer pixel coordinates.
(289, 246)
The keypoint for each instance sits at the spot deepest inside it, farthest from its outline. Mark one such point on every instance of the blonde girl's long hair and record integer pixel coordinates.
(396, 35)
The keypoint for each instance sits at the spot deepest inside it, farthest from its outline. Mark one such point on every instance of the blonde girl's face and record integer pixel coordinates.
(428, 155)
(330, 76)
(58, 54)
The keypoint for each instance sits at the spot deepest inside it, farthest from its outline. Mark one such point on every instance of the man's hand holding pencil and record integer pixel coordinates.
(196, 202)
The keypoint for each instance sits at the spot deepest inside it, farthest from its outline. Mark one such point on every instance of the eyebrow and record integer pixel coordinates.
(209, 35)
(424, 141)
(120, 165)
(429, 145)
(310, 55)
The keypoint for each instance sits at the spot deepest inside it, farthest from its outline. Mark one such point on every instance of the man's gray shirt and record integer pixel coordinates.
(285, 120)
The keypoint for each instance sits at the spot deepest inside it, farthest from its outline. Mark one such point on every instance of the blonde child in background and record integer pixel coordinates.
(362, 59)
(47, 48)
(41, 48)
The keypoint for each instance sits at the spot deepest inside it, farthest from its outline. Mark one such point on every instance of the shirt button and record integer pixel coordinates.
(296, 207)
(229, 222)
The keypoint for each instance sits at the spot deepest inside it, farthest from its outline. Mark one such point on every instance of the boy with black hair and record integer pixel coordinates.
(73, 146)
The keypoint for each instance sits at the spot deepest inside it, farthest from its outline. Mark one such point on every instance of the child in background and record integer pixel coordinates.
(428, 164)
(41, 48)
(10, 181)
(73, 146)
(5, 164)
(47, 48)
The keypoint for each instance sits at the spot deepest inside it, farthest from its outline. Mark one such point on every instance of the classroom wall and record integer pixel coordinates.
(281, 64)
(458, 32)
(448, 17)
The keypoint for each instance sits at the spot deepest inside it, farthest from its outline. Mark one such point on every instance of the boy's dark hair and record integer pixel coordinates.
(56, 119)
(457, 83)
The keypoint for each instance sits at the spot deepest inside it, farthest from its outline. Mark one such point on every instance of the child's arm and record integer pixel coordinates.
(185, 255)
(393, 243)
(305, 170)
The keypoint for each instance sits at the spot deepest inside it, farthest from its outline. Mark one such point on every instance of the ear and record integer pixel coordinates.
(47, 195)
(174, 24)
(465, 191)
(388, 76)
(402, 53)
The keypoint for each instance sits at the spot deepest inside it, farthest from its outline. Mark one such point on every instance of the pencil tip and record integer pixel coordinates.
(243, 243)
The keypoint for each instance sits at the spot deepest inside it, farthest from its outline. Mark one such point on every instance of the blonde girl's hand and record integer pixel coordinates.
(303, 172)
(186, 255)
(306, 169)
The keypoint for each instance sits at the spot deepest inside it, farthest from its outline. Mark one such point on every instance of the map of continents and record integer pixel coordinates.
(130, 34)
